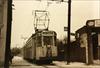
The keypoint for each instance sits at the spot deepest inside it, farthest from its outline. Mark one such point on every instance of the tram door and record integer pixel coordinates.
(95, 46)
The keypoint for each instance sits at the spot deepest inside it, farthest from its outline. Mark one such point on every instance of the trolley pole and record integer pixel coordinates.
(69, 30)
(8, 33)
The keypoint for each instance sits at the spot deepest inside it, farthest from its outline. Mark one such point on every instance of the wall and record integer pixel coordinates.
(3, 27)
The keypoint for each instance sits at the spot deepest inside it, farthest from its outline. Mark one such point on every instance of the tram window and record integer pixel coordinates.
(83, 40)
(97, 23)
(99, 39)
(48, 40)
(78, 35)
(39, 41)
(55, 40)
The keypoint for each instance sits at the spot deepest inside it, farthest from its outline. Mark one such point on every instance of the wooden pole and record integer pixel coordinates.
(69, 26)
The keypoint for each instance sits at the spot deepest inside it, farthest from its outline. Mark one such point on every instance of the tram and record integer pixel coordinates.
(88, 37)
(41, 46)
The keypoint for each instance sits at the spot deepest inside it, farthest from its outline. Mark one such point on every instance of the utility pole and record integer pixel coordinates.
(69, 30)
(8, 33)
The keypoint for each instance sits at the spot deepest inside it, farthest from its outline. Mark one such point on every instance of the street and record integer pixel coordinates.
(19, 62)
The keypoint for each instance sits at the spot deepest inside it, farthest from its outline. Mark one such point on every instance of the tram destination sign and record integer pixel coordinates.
(97, 23)
(47, 32)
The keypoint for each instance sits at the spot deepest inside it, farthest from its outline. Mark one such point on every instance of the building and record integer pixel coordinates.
(3, 29)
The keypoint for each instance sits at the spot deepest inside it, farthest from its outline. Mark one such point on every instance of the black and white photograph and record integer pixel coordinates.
(49, 33)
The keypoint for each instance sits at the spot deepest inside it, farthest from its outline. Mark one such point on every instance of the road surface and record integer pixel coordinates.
(19, 62)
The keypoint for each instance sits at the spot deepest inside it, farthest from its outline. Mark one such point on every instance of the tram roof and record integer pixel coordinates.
(37, 33)
(42, 31)
(82, 29)
(85, 29)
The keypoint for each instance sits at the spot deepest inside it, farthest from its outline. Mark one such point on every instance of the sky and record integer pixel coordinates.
(23, 17)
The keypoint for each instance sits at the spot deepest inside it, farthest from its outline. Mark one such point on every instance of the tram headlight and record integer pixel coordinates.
(90, 23)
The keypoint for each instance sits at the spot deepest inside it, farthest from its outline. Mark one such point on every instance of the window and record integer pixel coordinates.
(48, 40)
(39, 41)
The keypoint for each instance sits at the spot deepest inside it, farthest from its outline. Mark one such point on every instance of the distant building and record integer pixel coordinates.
(3, 28)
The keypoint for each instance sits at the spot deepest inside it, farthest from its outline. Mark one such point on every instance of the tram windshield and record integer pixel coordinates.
(39, 41)
(48, 40)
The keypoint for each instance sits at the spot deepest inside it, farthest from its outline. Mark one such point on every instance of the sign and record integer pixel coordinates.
(65, 28)
(97, 23)
(73, 34)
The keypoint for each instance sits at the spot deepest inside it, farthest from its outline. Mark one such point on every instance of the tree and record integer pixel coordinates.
(15, 51)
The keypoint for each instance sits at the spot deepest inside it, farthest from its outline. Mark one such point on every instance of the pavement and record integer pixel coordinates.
(75, 65)
(19, 62)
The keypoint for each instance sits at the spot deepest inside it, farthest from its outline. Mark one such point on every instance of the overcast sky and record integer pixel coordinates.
(23, 18)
